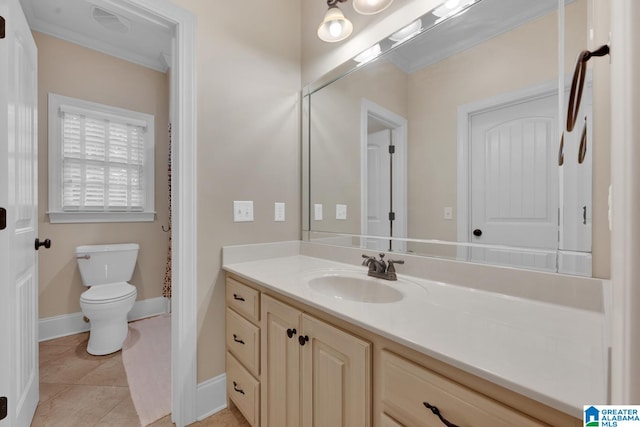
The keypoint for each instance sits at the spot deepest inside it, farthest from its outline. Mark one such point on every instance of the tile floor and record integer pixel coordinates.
(78, 389)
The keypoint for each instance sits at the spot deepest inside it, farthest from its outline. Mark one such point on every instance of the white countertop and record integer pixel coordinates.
(550, 353)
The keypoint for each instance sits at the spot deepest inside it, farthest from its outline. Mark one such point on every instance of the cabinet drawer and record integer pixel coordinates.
(243, 340)
(243, 390)
(387, 421)
(243, 299)
(406, 386)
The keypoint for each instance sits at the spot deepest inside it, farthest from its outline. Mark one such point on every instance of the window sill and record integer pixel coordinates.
(86, 217)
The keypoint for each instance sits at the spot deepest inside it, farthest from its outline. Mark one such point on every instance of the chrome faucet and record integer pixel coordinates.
(380, 268)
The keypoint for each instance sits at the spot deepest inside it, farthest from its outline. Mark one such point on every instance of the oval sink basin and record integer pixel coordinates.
(361, 289)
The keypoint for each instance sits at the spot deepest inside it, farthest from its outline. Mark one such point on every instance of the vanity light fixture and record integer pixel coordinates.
(370, 7)
(407, 32)
(452, 8)
(368, 54)
(334, 27)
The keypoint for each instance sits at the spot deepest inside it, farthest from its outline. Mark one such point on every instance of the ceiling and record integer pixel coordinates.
(108, 26)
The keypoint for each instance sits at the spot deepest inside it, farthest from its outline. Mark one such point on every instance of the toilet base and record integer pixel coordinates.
(107, 337)
(109, 326)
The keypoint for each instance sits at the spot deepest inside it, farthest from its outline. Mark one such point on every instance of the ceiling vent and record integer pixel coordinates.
(110, 21)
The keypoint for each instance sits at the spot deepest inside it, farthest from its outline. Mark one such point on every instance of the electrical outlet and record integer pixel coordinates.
(448, 213)
(317, 212)
(278, 214)
(341, 211)
(242, 211)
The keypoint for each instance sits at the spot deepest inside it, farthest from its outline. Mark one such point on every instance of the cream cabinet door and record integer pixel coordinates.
(336, 377)
(280, 364)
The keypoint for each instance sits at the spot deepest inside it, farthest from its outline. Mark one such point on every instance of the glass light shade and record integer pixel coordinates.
(370, 7)
(368, 54)
(407, 31)
(334, 27)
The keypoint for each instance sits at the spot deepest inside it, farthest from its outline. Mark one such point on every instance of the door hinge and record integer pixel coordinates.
(392, 149)
(3, 407)
(392, 216)
(2, 27)
(3, 218)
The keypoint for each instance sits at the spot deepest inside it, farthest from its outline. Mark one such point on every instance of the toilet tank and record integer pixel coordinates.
(102, 264)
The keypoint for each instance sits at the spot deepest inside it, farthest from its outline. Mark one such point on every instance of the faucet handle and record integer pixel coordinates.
(391, 268)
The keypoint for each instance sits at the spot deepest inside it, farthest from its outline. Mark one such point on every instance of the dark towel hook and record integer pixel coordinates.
(577, 84)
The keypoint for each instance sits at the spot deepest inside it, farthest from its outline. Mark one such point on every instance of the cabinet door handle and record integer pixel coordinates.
(303, 339)
(437, 413)
(291, 332)
(237, 297)
(235, 387)
(236, 339)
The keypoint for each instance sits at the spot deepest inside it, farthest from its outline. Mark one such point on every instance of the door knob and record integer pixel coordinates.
(477, 232)
(46, 243)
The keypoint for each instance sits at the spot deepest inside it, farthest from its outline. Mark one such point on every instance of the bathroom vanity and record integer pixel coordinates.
(311, 341)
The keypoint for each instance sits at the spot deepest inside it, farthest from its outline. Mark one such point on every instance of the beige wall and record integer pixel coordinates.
(70, 70)
(335, 139)
(248, 70)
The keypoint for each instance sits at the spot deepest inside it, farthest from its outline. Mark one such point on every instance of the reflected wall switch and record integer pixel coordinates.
(242, 211)
(341, 211)
(278, 214)
(317, 211)
(448, 213)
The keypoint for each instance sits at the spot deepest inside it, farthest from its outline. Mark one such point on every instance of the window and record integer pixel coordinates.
(100, 162)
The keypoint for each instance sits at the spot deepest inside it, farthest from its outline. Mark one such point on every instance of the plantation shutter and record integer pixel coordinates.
(102, 162)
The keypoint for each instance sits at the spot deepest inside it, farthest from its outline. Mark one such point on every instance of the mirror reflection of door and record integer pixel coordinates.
(514, 182)
(378, 186)
(384, 169)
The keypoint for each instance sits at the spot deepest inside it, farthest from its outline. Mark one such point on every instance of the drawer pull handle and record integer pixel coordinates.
(291, 332)
(303, 339)
(235, 387)
(236, 339)
(237, 297)
(437, 413)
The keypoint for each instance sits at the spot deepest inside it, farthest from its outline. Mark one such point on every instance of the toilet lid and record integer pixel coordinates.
(108, 293)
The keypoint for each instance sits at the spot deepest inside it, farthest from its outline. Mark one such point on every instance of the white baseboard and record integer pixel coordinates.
(69, 324)
(211, 396)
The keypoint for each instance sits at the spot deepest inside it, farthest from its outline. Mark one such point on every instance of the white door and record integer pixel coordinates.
(514, 183)
(18, 196)
(378, 188)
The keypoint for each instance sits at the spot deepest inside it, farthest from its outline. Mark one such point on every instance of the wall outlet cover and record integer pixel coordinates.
(242, 211)
(317, 211)
(448, 213)
(341, 211)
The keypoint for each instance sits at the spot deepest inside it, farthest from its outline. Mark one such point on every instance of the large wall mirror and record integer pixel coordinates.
(445, 140)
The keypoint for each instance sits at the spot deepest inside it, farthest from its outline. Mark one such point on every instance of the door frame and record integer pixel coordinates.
(183, 117)
(398, 126)
(466, 113)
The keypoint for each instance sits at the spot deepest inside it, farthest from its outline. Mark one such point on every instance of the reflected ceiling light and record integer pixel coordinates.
(370, 7)
(334, 27)
(452, 8)
(368, 54)
(407, 32)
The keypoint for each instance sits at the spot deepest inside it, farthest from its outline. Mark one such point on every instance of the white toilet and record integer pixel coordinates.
(106, 269)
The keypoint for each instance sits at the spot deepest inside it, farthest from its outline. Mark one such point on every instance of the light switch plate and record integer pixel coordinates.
(317, 212)
(341, 211)
(242, 211)
(278, 214)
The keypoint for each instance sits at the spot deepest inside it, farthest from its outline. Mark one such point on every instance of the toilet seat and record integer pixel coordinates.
(111, 292)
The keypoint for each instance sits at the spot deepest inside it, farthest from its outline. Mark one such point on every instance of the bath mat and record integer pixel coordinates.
(147, 360)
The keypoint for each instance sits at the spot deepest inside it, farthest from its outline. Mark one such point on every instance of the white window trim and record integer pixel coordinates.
(55, 212)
